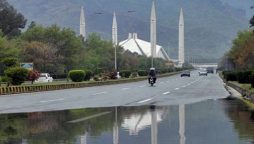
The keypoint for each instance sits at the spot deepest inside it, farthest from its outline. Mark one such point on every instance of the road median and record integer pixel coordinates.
(69, 85)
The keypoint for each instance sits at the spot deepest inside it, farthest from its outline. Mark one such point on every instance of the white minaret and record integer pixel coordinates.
(114, 36)
(114, 30)
(181, 39)
(153, 32)
(82, 28)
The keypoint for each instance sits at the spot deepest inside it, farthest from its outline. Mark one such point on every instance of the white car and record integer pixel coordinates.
(44, 78)
(202, 72)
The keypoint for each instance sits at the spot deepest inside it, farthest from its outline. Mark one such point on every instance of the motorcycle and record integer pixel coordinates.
(151, 81)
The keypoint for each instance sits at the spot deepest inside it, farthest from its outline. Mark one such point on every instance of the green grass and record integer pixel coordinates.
(244, 86)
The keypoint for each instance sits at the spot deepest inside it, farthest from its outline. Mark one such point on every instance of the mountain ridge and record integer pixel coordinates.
(210, 24)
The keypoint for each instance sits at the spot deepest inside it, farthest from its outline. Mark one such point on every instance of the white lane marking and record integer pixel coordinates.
(142, 86)
(125, 88)
(183, 86)
(165, 93)
(176, 88)
(99, 93)
(54, 100)
(146, 100)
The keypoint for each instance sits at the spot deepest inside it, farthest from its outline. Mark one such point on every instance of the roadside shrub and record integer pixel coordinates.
(252, 80)
(125, 73)
(16, 75)
(10, 62)
(142, 73)
(230, 76)
(96, 78)
(88, 75)
(77, 75)
(134, 74)
(3, 79)
(244, 77)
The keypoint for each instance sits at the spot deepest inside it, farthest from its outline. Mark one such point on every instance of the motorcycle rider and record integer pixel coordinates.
(152, 74)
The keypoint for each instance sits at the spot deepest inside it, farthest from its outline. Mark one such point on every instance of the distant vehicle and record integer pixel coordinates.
(44, 78)
(210, 70)
(185, 73)
(202, 72)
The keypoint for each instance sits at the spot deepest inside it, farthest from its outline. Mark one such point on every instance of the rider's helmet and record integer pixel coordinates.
(152, 72)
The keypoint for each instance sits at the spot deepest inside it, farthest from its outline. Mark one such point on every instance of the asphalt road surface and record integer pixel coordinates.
(172, 90)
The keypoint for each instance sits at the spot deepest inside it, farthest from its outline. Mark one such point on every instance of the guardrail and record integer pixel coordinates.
(49, 87)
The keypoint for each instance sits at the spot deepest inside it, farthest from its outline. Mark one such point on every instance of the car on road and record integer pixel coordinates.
(44, 78)
(210, 70)
(202, 72)
(185, 73)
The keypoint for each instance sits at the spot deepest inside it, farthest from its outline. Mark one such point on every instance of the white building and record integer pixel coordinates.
(136, 45)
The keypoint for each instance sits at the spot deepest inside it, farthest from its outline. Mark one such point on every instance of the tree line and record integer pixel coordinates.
(58, 50)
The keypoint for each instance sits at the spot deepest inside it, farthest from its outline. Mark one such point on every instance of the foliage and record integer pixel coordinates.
(125, 73)
(8, 49)
(88, 75)
(16, 75)
(11, 20)
(142, 73)
(77, 75)
(3, 79)
(230, 75)
(96, 78)
(244, 76)
(44, 56)
(134, 74)
(64, 42)
(10, 62)
(252, 80)
(242, 51)
(33, 75)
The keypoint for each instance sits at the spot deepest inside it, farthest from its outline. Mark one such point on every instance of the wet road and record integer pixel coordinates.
(172, 90)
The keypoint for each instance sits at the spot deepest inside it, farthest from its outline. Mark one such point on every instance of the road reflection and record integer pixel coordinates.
(210, 122)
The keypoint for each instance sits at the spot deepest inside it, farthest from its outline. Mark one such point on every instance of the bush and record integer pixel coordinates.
(125, 73)
(77, 75)
(10, 62)
(96, 78)
(16, 75)
(244, 77)
(88, 75)
(142, 73)
(3, 79)
(134, 74)
(252, 80)
(230, 76)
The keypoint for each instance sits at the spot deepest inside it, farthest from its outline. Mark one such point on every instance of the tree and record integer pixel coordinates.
(33, 75)
(65, 41)
(11, 20)
(44, 56)
(10, 62)
(8, 49)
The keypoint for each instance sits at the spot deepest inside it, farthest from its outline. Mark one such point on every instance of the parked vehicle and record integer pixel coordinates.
(44, 77)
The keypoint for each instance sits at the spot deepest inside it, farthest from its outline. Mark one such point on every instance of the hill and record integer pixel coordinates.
(210, 24)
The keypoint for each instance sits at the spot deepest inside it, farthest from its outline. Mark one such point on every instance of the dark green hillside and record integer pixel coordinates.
(210, 24)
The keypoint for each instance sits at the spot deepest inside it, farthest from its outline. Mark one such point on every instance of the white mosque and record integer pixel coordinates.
(142, 47)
